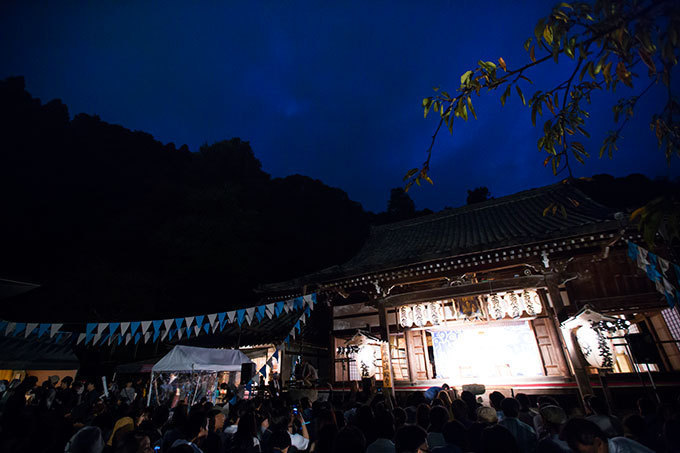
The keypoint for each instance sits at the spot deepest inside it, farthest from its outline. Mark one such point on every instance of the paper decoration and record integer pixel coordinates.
(10, 327)
(145, 326)
(189, 320)
(271, 310)
(81, 337)
(240, 314)
(220, 317)
(124, 326)
(199, 321)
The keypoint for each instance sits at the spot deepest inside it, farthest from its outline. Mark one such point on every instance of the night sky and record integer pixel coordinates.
(331, 90)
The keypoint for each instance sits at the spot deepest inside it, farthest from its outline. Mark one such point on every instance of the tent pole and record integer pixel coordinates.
(148, 397)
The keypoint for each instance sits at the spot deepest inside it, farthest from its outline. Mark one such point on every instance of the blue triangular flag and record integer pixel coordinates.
(287, 339)
(137, 336)
(239, 316)
(120, 339)
(308, 311)
(156, 327)
(156, 333)
(276, 354)
(113, 326)
(57, 339)
(632, 251)
(297, 325)
(171, 333)
(187, 330)
(199, 320)
(278, 308)
(44, 327)
(3, 326)
(263, 371)
(220, 318)
(105, 337)
(261, 311)
(314, 298)
(206, 327)
(298, 303)
(18, 328)
(89, 328)
(134, 325)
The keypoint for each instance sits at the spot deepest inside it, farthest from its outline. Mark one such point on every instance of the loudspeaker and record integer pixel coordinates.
(247, 372)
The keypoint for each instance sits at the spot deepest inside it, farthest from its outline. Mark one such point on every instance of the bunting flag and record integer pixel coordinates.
(156, 334)
(199, 322)
(120, 339)
(137, 337)
(211, 320)
(240, 314)
(42, 329)
(18, 328)
(89, 328)
(206, 327)
(3, 326)
(134, 325)
(145, 326)
(104, 338)
(188, 331)
(658, 270)
(54, 329)
(10, 328)
(179, 334)
(113, 326)
(250, 313)
(124, 326)
(189, 320)
(146, 337)
(95, 338)
(261, 310)
(81, 337)
(197, 330)
(168, 324)
(278, 308)
(271, 310)
(128, 337)
(178, 323)
(220, 317)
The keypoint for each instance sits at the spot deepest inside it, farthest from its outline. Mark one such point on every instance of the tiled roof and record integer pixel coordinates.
(504, 222)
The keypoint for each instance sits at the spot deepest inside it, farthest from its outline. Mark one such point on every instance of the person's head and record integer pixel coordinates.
(136, 442)
(438, 418)
(216, 419)
(444, 397)
(498, 439)
(645, 407)
(523, 400)
(78, 388)
(459, 409)
(546, 401)
(90, 386)
(596, 405)
(455, 434)
(584, 436)
(197, 425)
(423, 415)
(486, 414)
(384, 425)
(128, 384)
(54, 380)
(66, 382)
(553, 418)
(510, 407)
(410, 439)
(495, 398)
(87, 440)
(349, 439)
(399, 416)
(280, 441)
(30, 381)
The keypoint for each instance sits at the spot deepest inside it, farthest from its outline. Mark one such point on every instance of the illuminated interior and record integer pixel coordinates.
(486, 351)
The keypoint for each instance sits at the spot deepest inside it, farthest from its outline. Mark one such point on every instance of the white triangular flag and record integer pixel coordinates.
(292, 333)
(164, 334)
(250, 312)
(145, 326)
(271, 309)
(30, 327)
(101, 326)
(303, 318)
(111, 338)
(54, 329)
(211, 319)
(128, 337)
(10, 328)
(231, 315)
(179, 333)
(189, 320)
(197, 330)
(147, 335)
(307, 300)
(81, 337)
(95, 338)
(124, 326)
(289, 305)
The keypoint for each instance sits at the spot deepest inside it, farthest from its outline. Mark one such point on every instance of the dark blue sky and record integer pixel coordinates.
(331, 90)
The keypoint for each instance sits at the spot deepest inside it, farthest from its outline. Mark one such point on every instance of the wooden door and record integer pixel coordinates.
(418, 356)
(549, 347)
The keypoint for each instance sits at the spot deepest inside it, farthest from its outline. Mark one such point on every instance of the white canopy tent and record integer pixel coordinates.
(190, 359)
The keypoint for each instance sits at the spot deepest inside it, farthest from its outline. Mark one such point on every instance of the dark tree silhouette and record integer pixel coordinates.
(478, 195)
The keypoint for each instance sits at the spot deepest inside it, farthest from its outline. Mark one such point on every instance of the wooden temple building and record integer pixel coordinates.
(499, 294)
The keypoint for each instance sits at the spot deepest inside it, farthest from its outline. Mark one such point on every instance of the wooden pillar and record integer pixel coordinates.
(410, 360)
(569, 341)
(385, 336)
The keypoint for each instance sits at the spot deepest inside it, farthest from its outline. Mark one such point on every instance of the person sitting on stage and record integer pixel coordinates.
(309, 374)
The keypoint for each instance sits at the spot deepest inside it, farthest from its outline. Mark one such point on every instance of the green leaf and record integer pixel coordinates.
(505, 94)
(410, 173)
(548, 34)
(527, 43)
(521, 96)
(538, 29)
(472, 110)
(465, 78)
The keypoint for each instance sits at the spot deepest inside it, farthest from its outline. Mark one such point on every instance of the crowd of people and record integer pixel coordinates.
(76, 417)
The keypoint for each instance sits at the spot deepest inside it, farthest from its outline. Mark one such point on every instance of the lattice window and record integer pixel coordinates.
(670, 315)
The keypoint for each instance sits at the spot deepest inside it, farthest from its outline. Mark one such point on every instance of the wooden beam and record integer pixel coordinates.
(470, 289)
